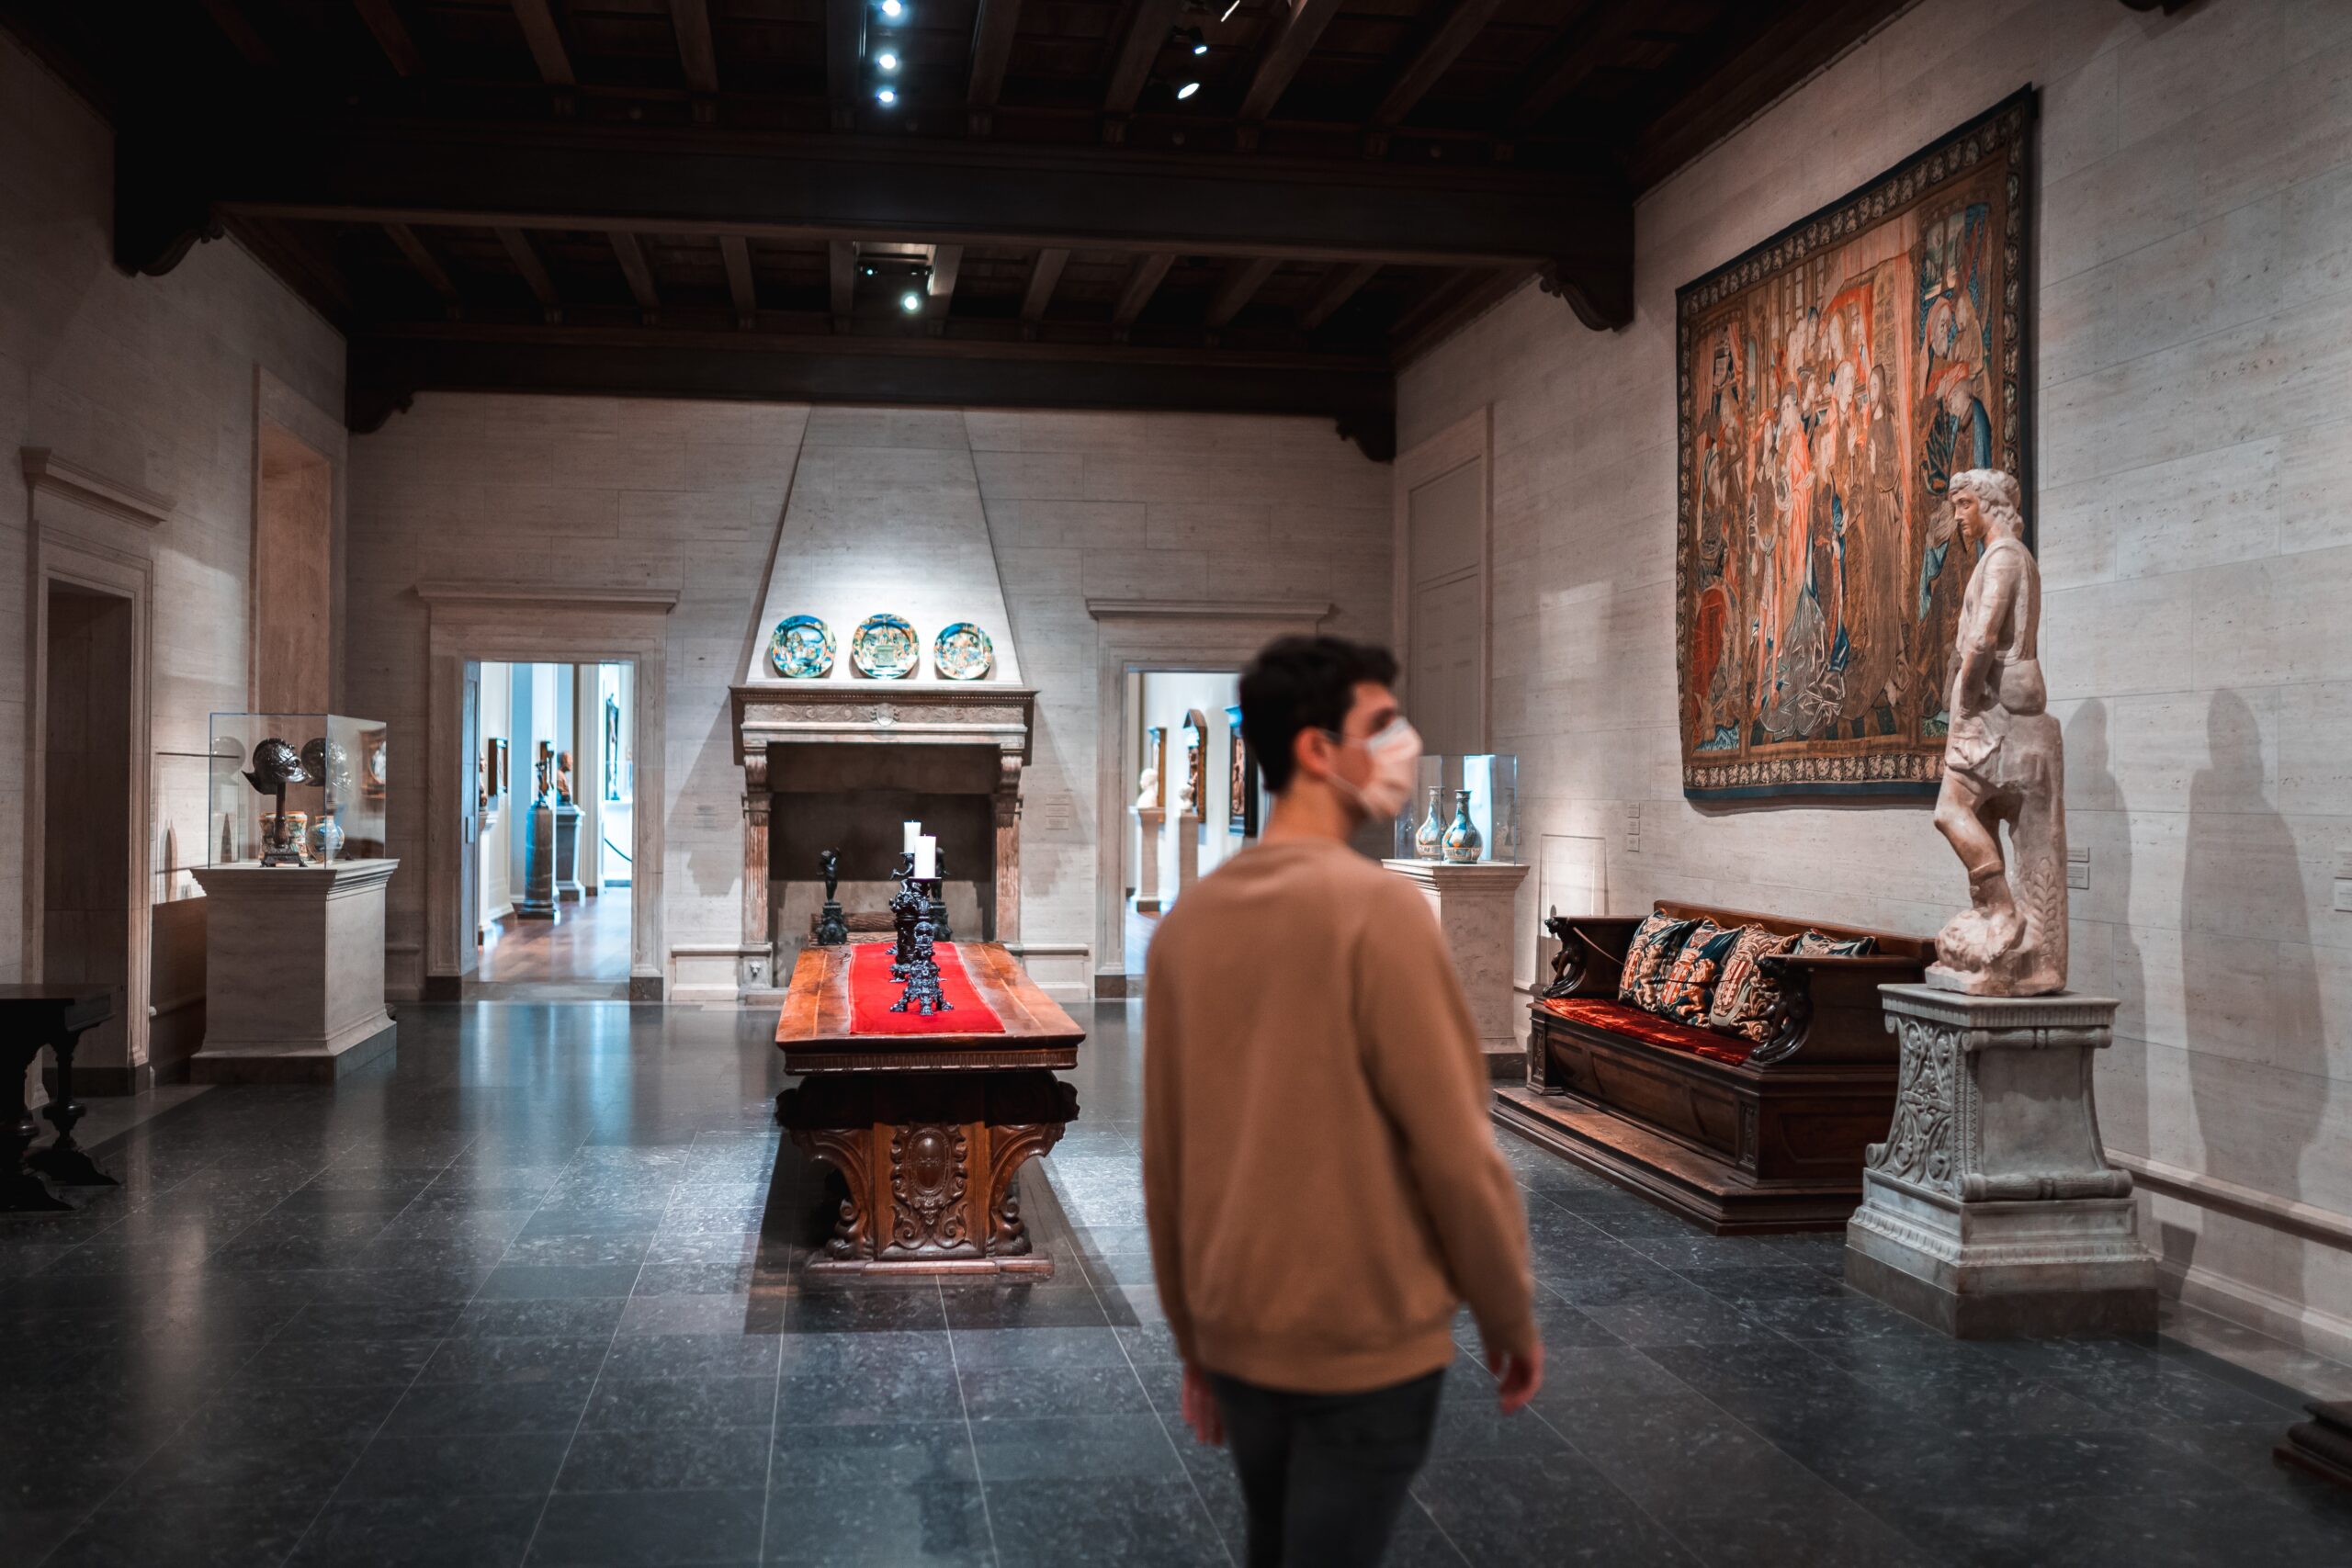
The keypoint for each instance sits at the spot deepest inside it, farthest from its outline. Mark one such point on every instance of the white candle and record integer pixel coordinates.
(926, 858)
(914, 831)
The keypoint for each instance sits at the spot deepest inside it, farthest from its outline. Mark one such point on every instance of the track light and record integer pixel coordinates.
(888, 60)
(892, 10)
(886, 96)
(1193, 40)
(910, 301)
(1226, 15)
(1186, 89)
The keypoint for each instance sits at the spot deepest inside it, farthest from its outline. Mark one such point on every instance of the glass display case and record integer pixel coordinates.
(1465, 809)
(296, 789)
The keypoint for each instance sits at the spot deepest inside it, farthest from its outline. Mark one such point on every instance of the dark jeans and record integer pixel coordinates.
(1324, 1474)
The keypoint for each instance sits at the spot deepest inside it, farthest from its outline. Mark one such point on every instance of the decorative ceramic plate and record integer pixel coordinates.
(884, 648)
(963, 653)
(801, 648)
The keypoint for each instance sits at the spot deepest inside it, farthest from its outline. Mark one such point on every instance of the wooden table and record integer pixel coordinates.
(31, 1017)
(929, 1129)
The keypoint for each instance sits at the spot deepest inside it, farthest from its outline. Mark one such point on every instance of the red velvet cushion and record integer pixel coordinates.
(1619, 1018)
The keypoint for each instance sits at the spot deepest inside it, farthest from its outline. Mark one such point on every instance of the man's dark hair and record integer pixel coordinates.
(1304, 683)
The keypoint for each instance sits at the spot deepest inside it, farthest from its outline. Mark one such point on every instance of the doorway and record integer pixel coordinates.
(553, 756)
(1194, 807)
(87, 761)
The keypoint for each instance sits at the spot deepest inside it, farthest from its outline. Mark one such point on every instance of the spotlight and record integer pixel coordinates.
(1191, 39)
(886, 96)
(910, 301)
(893, 9)
(1226, 15)
(1186, 89)
(888, 60)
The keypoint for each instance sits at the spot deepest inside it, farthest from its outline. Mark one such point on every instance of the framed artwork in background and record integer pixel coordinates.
(1829, 383)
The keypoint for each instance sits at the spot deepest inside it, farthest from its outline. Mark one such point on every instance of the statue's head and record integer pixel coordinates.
(1985, 503)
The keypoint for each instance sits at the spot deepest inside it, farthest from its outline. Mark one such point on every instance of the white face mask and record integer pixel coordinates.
(1396, 754)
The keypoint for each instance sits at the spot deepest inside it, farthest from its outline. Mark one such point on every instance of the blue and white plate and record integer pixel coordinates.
(884, 648)
(802, 648)
(963, 653)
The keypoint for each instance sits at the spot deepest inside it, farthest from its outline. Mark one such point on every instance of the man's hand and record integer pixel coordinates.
(1201, 1413)
(1520, 1374)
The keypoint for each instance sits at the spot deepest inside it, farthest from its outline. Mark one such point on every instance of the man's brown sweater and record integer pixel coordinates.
(1320, 1178)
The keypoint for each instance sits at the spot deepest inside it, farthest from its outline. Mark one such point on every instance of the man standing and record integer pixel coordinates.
(1320, 1178)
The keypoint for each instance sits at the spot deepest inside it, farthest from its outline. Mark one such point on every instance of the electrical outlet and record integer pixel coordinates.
(2343, 896)
(1633, 843)
(2078, 866)
(2344, 864)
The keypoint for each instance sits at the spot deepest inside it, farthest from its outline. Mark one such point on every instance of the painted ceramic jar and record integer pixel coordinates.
(1463, 844)
(1429, 841)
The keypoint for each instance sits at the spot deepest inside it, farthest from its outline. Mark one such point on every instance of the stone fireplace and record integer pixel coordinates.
(884, 517)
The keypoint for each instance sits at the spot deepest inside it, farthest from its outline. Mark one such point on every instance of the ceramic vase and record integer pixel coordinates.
(1429, 843)
(326, 839)
(1463, 844)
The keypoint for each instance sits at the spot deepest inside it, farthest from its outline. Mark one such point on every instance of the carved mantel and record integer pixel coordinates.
(870, 713)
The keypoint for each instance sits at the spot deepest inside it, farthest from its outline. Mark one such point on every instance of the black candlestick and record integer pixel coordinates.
(937, 912)
(833, 930)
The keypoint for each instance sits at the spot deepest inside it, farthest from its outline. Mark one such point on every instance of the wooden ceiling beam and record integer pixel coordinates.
(576, 176)
(391, 36)
(1045, 276)
(388, 368)
(735, 253)
(238, 29)
(946, 260)
(1242, 279)
(1574, 55)
(631, 255)
(697, 57)
(1463, 22)
(1148, 24)
(1785, 48)
(526, 257)
(1143, 282)
(545, 42)
(1336, 290)
(1278, 63)
(844, 49)
(428, 266)
(840, 281)
(993, 34)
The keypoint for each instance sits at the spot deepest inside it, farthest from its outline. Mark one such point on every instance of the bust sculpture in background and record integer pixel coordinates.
(2004, 763)
(1148, 790)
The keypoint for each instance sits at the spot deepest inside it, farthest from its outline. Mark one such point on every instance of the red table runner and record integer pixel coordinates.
(872, 991)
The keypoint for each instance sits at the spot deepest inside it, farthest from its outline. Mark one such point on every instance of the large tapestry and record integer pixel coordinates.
(1831, 382)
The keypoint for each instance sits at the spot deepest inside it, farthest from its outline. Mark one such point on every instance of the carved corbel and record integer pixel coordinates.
(1792, 1016)
(1604, 303)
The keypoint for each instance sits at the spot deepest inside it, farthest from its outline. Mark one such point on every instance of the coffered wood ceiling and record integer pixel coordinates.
(703, 198)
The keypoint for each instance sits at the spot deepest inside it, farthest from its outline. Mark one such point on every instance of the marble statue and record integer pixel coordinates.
(2004, 764)
(1148, 790)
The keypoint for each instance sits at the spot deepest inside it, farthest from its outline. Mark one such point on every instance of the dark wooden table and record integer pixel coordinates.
(31, 1017)
(927, 1129)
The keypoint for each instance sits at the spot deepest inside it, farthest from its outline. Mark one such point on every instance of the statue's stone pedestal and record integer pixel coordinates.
(1188, 851)
(1991, 1211)
(294, 974)
(538, 902)
(1149, 819)
(1474, 906)
(568, 889)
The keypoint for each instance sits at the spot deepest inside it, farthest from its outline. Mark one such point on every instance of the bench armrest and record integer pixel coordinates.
(1831, 1004)
(1592, 953)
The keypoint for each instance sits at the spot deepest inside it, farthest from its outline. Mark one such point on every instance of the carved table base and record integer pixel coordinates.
(929, 1159)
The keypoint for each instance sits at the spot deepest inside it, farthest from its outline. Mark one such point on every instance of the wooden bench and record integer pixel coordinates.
(1739, 1139)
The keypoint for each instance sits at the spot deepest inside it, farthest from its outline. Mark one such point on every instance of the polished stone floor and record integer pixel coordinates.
(529, 1294)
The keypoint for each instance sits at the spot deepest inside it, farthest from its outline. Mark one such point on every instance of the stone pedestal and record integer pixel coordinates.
(294, 972)
(1474, 905)
(1149, 819)
(1991, 1211)
(1188, 851)
(538, 902)
(568, 889)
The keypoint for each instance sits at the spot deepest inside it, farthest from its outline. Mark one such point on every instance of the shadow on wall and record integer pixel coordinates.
(2249, 979)
(2089, 780)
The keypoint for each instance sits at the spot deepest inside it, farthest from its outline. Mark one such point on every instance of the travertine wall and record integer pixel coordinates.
(155, 382)
(549, 492)
(2194, 442)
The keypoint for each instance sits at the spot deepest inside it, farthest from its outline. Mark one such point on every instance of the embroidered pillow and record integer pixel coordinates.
(1655, 942)
(1825, 946)
(1690, 983)
(1745, 995)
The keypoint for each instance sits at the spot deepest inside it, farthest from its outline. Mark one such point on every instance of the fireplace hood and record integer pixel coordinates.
(875, 526)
